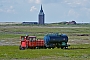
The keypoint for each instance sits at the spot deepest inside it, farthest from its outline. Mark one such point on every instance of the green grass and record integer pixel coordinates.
(75, 51)
(16, 32)
(78, 51)
(42, 31)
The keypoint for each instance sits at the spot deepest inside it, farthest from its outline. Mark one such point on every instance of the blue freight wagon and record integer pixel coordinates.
(56, 40)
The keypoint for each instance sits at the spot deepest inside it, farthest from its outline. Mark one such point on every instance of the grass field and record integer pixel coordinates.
(10, 41)
(75, 52)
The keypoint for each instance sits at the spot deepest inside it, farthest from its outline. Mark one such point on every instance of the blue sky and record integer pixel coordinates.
(55, 10)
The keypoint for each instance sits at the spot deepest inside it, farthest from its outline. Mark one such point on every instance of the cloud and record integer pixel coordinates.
(73, 13)
(11, 7)
(30, 1)
(71, 3)
(1, 10)
(51, 1)
(77, 3)
(8, 10)
(38, 1)
(33, 8)
(34, 1)
(86, 11)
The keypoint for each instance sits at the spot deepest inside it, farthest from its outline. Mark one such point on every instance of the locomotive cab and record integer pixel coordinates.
(31, 38)
(27, 41)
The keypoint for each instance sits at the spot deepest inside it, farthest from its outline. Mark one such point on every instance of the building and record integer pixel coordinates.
(41, 17)
(29, 23)
(72, 22)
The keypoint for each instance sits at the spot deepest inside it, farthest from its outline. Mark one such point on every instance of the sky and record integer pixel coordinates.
(55, 10)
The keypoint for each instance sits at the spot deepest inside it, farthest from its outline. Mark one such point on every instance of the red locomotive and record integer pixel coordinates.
(31, 42)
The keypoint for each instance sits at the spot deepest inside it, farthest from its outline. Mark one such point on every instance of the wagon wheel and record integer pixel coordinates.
(62, 47)
(37, 47)
(27, 47)
(66, 47)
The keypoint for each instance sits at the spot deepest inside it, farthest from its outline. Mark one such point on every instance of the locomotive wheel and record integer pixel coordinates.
(27, 47)
(21, 48)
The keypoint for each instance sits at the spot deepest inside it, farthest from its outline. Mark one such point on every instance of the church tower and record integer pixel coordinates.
(41, 16)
